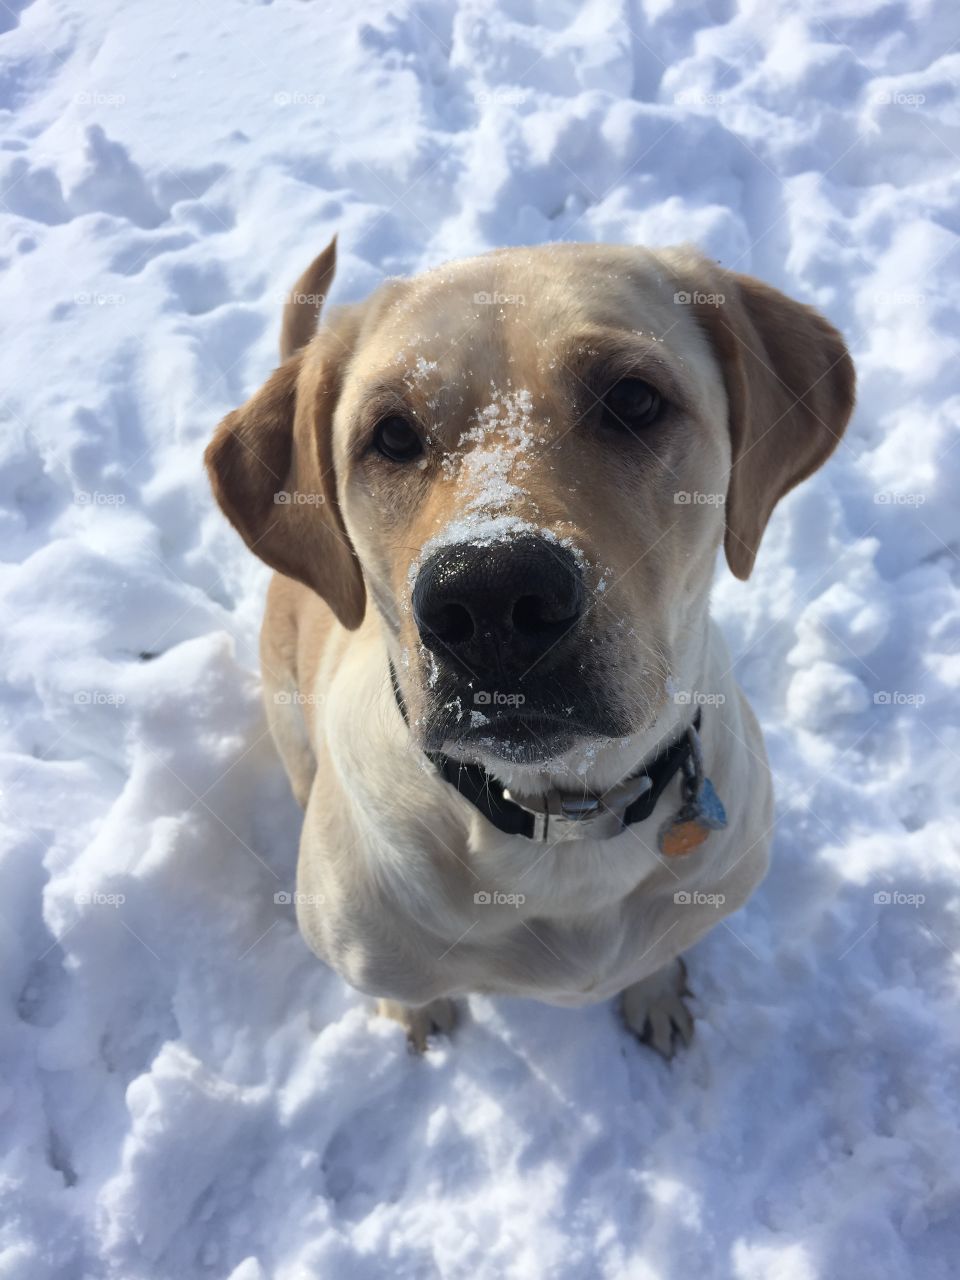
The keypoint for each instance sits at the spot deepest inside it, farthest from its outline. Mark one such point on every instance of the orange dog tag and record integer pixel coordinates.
(682, 837)
(693, 821)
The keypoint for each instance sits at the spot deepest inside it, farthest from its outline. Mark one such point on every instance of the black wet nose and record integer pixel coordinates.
(502, 606)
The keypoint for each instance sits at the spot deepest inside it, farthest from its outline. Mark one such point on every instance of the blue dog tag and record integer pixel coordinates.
(712, 811)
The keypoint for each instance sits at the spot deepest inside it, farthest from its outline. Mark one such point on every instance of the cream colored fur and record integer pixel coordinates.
(392, 859)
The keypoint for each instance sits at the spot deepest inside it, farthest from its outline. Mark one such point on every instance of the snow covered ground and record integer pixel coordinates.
(184, 1090)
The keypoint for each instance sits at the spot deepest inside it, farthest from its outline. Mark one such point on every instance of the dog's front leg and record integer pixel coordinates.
(653, 1009)
(419, 1022)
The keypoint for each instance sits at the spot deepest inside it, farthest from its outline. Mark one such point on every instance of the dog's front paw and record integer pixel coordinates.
(437, 1017)
(654, 1009)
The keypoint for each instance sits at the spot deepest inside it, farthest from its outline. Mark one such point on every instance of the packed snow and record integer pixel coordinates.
(184, 1090)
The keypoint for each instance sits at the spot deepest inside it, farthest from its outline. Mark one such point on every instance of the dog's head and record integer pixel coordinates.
(526, 462)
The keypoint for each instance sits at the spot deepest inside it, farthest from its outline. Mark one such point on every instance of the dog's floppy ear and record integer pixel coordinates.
(790, 388)
(271, 467)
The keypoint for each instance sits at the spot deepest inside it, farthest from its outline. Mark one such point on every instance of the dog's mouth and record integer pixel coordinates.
(519, 733)
(530, 717)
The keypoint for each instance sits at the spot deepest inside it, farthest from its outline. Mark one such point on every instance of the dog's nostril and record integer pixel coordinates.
(529, 614)
(540, 615)
(452, 624)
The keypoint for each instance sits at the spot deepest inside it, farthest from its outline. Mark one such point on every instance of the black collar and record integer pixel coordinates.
(540, 818)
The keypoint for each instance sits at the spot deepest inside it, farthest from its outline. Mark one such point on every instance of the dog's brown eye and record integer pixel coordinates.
(397, 440)
(632, 404)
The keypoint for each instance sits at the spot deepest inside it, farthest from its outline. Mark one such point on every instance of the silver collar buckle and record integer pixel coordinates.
(561, 815)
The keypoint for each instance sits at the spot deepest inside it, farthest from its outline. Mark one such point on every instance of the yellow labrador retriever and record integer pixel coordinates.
(493, 496)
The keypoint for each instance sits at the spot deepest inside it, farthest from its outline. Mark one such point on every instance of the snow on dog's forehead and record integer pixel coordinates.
(532, 318)
(514, 317)
(492, 456)
(490, 466)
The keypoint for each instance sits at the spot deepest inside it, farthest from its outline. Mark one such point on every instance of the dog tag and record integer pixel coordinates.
(702, 813)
